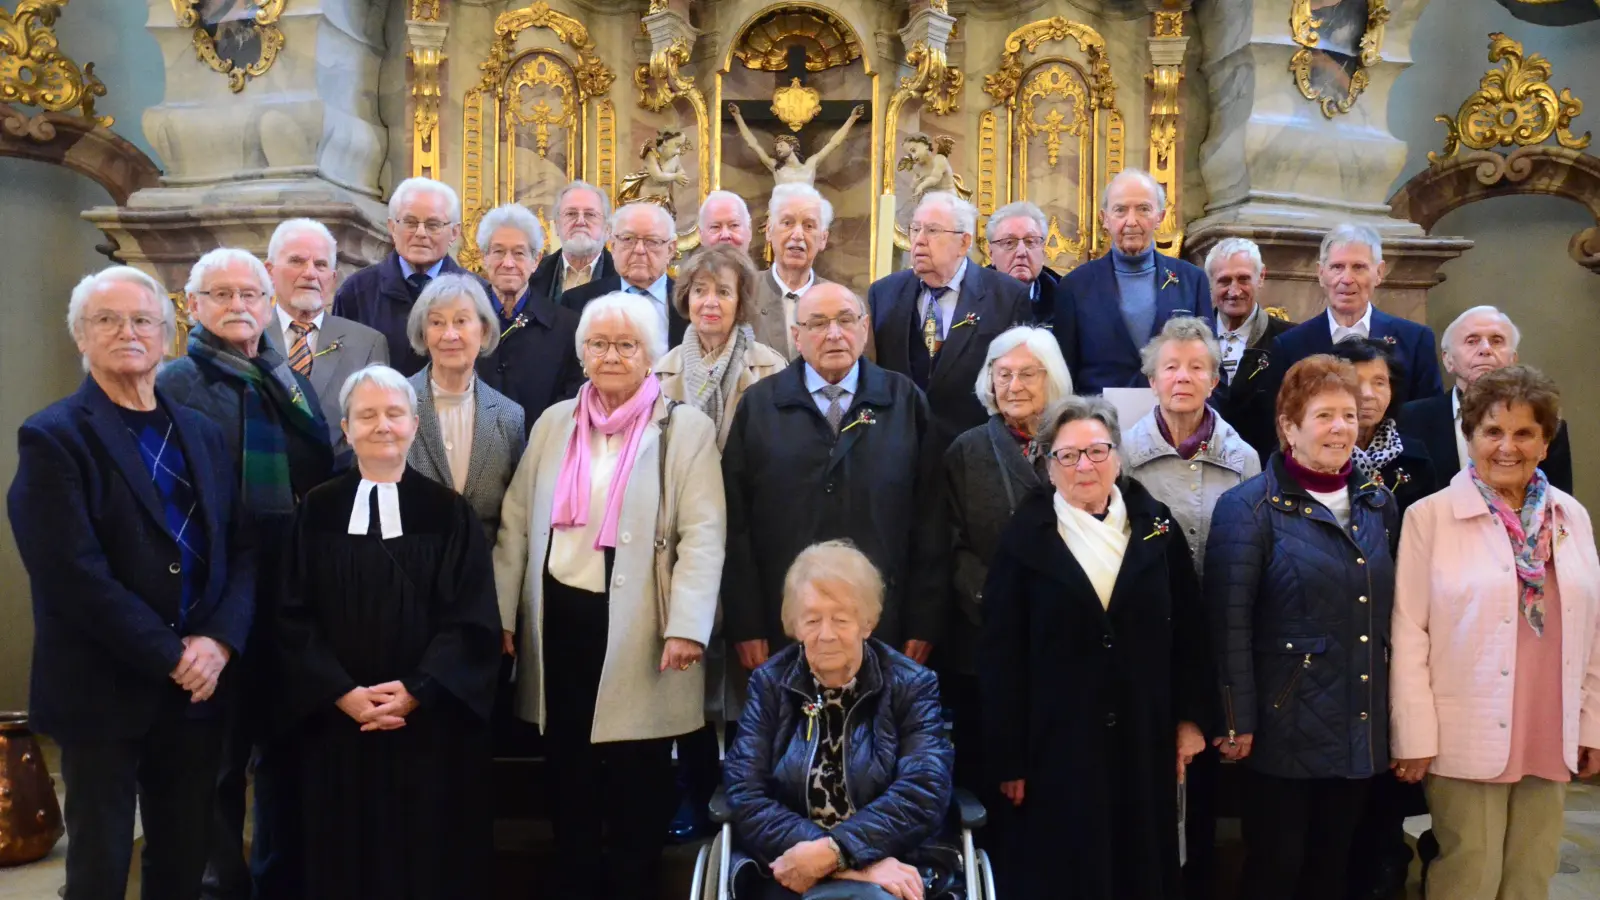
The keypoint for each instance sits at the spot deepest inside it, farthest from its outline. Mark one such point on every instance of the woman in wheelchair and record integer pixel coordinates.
(840, 775)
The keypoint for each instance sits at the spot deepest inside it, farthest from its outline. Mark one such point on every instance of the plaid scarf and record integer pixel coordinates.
(273, 401)
(1529, 530)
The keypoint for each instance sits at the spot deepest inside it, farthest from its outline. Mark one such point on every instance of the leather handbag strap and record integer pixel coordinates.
(663, 526)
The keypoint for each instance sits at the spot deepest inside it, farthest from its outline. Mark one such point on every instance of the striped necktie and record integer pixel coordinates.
(300, 352)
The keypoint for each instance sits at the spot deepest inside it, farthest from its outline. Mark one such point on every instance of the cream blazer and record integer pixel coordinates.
(760, 361)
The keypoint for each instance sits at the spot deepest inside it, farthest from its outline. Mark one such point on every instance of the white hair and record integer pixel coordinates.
(1453, 330)
(288, 228)
(120, 275)
(511, 215)
(1019, 209)
(662, 217)
(580, 185)
(1149, 182)
(1043, 345)
(382, 376)
(640, 313)
(405, 189)
(1227, 249)
(738, 201)
(1181, 328)
(448, 288)
(1347, 234)
(785, 194)
(964, 213)
(222, 258)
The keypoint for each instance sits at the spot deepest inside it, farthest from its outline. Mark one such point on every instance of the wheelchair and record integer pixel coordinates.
(711, 867)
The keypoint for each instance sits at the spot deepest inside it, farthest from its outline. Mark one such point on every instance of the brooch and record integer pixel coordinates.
(1561, 534)
(515, 324)
(811, 708)
(1172, 279)
(1162, 527)
(971, 319)
(1261, 366)
(865, 417)
(328, 349)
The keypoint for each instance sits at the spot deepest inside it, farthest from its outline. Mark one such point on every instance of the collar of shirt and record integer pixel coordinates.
(1362, 327)
(522, 304)
(947, 303)
(408, 270)
(1243, 331)
(284, 319)
(811, 279)
(571, 268)
(657, 290)
(815, 382)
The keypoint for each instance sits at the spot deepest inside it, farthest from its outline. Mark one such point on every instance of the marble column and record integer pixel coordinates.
(301, 139)
(1281, 172)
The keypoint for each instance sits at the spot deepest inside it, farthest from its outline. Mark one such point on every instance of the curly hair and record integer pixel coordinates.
(1307, 379)
(792, 141)
(1508, 386)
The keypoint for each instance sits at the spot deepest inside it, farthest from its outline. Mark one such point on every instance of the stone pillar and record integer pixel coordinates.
(1280, 171)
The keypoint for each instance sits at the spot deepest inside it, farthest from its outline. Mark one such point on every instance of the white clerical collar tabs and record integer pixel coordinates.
(388, 509)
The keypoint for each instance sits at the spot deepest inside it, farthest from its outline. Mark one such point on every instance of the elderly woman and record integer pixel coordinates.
(720, 356)
(610, 556)
(1094, 666)
(1494, 672)
(390, 637)
(841, 768)
(1300, 582)
(1382, 455)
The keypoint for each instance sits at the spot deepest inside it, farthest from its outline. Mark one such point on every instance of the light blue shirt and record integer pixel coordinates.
(408, 270)
(947, 303)
(657, 292)
(815, 383)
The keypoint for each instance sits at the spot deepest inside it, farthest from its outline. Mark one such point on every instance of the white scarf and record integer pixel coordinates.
(388, 509)
(1097, 546)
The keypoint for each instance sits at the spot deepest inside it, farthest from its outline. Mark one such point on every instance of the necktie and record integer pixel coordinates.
(930, 319)
(416, 282)
(835, 409)
(790, 298)
(300, 352)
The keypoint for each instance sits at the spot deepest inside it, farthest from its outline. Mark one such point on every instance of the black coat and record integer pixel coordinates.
(897, 760)
(1433, 422)
(546, 279)
(1041, 296)
(536, 364)
(378, 297)
(1410, 477)
(790, 484)
(1083, 701)
(1249, 401)
(1300, 617)
(579, 297)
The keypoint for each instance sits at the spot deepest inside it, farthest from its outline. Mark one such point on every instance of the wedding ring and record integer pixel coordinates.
(684, 667)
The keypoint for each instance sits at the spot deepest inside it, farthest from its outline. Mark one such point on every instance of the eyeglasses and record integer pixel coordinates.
(932, 231)
(1010, 244)
(111, 323)
(582, 215)
(626, 241)
(1067, 457)
(820, 325)
(1026, 376)
(409, 225)
(227, 295)
(520, 254)
(598, 348)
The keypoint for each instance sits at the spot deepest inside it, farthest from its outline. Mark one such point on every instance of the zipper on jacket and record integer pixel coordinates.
(1288, 687)
(1227, 710)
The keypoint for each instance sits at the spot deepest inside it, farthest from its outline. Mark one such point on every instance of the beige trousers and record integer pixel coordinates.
(1496, 841)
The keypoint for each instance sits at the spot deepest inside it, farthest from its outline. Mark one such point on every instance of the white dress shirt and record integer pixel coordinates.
(815, 383)
(313, 337)
(1362, 328)
(947, 303)
(790, 302)
(1235, 342)
(657, 292)
(573, 559)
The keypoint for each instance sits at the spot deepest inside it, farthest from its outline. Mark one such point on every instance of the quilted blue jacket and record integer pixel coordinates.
(1300, 615)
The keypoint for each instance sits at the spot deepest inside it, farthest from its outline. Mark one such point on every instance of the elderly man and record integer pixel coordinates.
(1350, 269)
(933, 322)
(1016, 234)
(277, 450)
(582, 215)
(303, 260)
(1479, 341)
(724, 219)
(118, 490)
(1245, 333)
(1107, 309)
(533, 363)
(834, 447)
(798, 219)
(642, 241)
(424, 222)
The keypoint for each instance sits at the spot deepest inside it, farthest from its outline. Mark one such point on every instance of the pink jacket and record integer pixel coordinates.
(1455, 633)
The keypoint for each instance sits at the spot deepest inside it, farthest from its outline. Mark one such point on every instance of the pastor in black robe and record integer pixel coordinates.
(402, 814)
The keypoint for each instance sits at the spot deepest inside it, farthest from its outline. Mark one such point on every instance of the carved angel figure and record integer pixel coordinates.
(663, 170)
(928, 161)
(788, 167)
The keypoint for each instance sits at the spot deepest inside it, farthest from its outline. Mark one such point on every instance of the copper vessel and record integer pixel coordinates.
(30, 817)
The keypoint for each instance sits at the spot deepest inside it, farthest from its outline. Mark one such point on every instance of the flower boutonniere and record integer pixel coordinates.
(1162, 527)
(1262, 363)
(518, 322)
(1400, 477)
(865, 417)
(1172, 279)
(971, 319)
(328, 349)
(1561, 534)
(811, 709)
(1388, 339)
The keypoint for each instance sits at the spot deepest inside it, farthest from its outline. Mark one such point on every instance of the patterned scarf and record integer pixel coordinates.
(1384, 448)
(273, 401)
(1194, 443)
(571, 507)
(709, 383)
(1530, 539)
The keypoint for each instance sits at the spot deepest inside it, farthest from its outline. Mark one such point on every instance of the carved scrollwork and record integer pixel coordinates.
(765, 45)
(1003, 84)
(1514, 105)
(658, 80)
(936, 81)
(34, 71)
(1303, 27)
(535, 71)
(594, 77)
(207, 35)
(425, 10)
(1055, 81)
(796, 104)
(1169, 24)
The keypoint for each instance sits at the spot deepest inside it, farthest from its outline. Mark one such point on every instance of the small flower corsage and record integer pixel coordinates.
(811, 709)
(1162, 527)
(865, 417)
(1561, 534)
(1172, 279)
(516, 323)
(1389, 339)
(971, 319)
(1262, 364)
(328, 349)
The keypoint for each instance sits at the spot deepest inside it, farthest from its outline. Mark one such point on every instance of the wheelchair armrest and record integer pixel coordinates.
(969, 809)
(721, 812)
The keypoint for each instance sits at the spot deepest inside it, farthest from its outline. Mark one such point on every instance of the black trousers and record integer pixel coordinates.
(275, 869)
(1297, 834)
(172, 771)
(610, 803)
(1200, 825)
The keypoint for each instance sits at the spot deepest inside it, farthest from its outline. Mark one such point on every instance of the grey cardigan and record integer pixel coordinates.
(499, 435)
(1189, 487)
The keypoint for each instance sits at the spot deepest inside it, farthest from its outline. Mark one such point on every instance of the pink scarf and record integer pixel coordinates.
(571, 509)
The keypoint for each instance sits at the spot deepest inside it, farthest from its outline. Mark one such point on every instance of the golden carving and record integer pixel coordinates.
(180, 341)
(796, 104)
(34, 71)
(1002, 85)
(657, 6)
(425, 117)
(1303, 27)
(606, 147)
(939, 6)
(660, 83)
(1278, 312)
(1169, 24)
(988, 176)
(533, 72)
(1055, 81)
(765, 43)
(1164, 118)
(425, 10)
(267, 31)
(935, 80)
(1514, 104)
(1057, 244)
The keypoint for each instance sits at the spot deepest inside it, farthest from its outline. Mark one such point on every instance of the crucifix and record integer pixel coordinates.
(796, 106)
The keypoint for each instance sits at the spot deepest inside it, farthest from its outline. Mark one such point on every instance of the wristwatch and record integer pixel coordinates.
(838, 856)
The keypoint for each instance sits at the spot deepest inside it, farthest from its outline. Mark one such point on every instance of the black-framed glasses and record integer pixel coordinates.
(409, 225)
(1010, 244)
(599, 347)
(1067, 457)
(625, 241)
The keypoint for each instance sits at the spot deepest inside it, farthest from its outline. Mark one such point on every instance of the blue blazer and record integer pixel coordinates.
(1411, 343)
(103, 566)
(1089, 327)
(378, 297)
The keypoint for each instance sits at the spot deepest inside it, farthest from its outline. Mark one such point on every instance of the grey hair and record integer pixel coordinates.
(1043, 345)
(659, 212)
(119, 275)
(222, 258)
(380, 375)
(511, 215)
(404, 190)
(1347, 234)
(288, 228)
(1181, 328)
(640, 313)
(1452, 330)
(785, 194)
(1077, 409)
(1149, 181)
(965, 214)
(1020, 209)
(448, 288)
(1228, 248)
(580, 185)
(837, 563)
(744, 211)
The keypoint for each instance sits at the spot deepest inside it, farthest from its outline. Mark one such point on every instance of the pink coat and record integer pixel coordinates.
(1455, 633)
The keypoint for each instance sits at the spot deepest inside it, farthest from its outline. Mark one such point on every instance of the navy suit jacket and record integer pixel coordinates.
(378, 297)
(1089, 327)
(1411, 343)
(104, 568)
(579, 297)
(1432, 422)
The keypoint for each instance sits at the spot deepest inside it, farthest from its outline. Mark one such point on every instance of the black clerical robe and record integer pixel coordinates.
(403, 813)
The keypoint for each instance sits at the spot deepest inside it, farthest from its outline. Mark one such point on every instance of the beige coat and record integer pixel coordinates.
(759, 362)
(635, 701)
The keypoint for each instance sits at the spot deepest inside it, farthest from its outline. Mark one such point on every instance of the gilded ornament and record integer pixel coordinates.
(660, 83)
(1514, 105)
(34, 71)
(1169, 24)
(935, 80)
(542, 70)
(1303, 28)
(663, 171)
(1054, 82)
(1057, 244)
(1164, 117)
(1002, 85)
(606, 147)
(765, 44)
(657, 6)
(796, 104)
(658, 80)
(226, 45)
(425, 10)
(425, 96)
